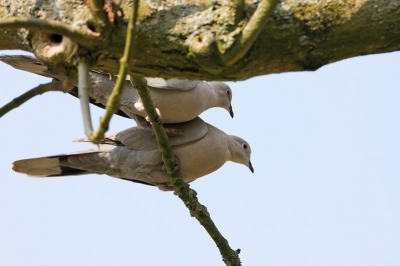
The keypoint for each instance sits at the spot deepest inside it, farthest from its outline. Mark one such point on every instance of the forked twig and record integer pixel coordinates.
(113, 102)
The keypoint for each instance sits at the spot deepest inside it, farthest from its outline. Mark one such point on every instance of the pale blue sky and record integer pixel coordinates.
(326, 187)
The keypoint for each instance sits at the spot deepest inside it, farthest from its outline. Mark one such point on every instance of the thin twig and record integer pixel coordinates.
(81, 36)
(250, 32)
(113, 102)
(55, 85)
(83, 94)
(187, 195)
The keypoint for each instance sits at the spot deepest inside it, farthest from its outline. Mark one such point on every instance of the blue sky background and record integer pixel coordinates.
(326, 187)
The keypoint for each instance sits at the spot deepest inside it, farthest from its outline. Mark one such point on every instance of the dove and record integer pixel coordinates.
(177, 100)
(133, 155)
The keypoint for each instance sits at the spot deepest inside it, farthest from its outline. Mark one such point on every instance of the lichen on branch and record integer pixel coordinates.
(230, 37)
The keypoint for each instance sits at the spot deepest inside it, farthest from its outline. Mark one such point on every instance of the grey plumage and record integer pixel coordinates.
(133, 155)
(178, 100)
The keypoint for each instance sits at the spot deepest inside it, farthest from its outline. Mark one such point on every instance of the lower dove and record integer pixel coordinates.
(177, 100)
(133, 155)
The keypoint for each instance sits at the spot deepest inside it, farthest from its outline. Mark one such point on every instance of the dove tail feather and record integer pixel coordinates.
(46, 167)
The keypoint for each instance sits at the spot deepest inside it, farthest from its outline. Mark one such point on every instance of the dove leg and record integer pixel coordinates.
(144, 124)
(165, 187)
(139, 106)
(159, 120)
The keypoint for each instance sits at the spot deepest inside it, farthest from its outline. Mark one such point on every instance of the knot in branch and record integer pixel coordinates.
(53, 48)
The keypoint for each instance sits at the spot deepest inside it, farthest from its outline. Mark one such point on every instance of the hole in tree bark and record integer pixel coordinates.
(56, 38)
(91, 26)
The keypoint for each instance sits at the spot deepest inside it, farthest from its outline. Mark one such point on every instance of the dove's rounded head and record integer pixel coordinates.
(224, 93)
(241, 152)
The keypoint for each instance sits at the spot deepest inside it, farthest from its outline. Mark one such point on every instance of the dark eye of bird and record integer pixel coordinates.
(228, 92)
(244, 146)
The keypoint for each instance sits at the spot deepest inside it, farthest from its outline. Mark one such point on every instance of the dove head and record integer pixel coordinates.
(240, 151)
(224, 94)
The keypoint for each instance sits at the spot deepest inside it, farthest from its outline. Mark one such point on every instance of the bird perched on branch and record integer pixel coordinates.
(177, 100)
(133, 154)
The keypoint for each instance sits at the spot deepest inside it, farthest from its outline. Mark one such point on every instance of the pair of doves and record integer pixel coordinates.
(133, 154)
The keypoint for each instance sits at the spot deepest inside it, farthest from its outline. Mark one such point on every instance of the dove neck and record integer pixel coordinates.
(236, 151)
(233, 151)
(215, 99)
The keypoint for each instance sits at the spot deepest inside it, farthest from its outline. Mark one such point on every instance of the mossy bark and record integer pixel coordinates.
(300, 34)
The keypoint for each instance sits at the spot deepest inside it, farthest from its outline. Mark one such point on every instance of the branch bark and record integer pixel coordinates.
(300, 35)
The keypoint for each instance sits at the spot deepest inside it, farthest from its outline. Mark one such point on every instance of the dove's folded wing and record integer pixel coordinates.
(172, 84)
(178, 100)
(30, 64)
(136, 138)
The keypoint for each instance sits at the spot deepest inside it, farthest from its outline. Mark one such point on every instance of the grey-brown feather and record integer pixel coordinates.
(197, 157)
(178, 100)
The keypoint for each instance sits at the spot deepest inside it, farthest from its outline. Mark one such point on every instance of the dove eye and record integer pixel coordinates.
(228, 92)
(244, 145)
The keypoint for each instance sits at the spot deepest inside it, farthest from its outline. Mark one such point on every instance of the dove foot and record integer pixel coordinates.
(158, 120)
(165, 187)
(144, 124)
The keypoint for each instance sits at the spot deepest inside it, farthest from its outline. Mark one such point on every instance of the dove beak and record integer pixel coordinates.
(231, 111)
(251, 167)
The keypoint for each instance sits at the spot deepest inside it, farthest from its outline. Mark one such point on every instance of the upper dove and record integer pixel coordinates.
(177, 100)
(133, 154)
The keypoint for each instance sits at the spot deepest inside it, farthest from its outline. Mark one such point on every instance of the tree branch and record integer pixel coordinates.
(55, 85)
(81, 36)
(250, 32)
(83, 94)
(303, 35)
(188, 196)
(113, 102)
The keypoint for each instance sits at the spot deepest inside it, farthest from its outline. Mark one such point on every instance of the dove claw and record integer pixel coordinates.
(165, 187)
(158, 120)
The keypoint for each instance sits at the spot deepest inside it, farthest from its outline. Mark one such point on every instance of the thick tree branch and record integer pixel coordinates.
(300, 35)
(188, 196)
